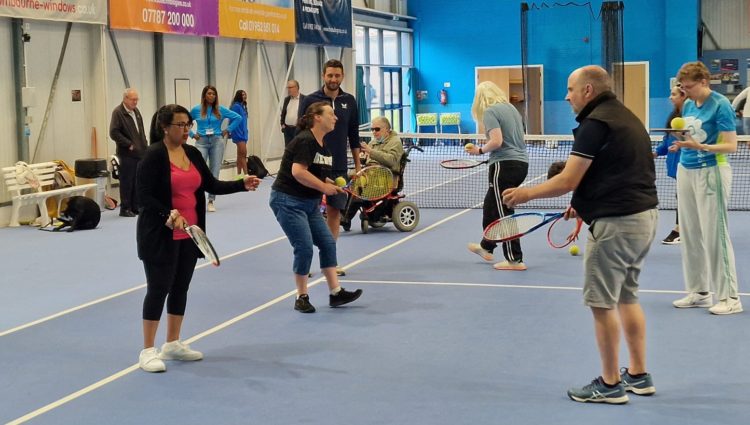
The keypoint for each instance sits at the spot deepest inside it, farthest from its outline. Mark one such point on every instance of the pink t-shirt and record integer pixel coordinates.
(184, 185)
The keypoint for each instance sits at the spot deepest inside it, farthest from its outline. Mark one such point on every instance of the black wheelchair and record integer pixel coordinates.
(392, 209)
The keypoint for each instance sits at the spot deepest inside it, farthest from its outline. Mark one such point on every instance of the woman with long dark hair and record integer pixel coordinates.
(210, 139)
(240, 134)
(172, 179)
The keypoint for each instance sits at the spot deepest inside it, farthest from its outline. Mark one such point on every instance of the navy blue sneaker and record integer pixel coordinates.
(642, 385)
(598, 392)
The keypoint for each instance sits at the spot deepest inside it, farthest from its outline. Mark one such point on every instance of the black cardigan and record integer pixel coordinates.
(154, 186)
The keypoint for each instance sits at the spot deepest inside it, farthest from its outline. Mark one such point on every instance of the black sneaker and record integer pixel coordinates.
(302, 304)
(343, 297)
(672, 239)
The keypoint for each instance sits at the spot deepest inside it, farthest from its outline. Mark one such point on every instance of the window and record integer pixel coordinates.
(386, 57)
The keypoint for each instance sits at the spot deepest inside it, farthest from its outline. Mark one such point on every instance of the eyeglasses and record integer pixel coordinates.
(376, 129)
(689, 87)
(182, 124)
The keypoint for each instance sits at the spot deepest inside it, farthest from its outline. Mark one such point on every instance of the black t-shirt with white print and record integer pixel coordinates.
(303, 149)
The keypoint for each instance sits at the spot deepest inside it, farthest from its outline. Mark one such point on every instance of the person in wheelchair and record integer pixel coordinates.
(385, 148)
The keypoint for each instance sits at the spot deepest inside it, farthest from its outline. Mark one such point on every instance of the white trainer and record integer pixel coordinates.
(477, 249)
(176, 350)
(727, 306)
(211, 207)
(149, 360)
(693, 300)
(517, 266)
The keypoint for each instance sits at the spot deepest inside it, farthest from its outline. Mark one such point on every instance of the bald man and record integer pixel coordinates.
(127, 130)
(611, 173)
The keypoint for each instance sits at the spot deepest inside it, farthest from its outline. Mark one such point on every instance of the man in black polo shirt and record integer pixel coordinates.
(611, 173)
(344, 135)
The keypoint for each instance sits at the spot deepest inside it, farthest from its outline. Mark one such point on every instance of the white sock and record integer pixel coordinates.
(336, 290)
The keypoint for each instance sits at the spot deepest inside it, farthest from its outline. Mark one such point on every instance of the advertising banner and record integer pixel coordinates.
(88, 11)
(262, 20)
(193, 17)
(324, 22)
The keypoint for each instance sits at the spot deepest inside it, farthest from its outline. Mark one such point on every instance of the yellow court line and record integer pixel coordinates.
(51, 406)
(125, 292)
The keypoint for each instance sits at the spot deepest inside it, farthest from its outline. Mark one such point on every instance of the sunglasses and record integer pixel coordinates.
(376, 129)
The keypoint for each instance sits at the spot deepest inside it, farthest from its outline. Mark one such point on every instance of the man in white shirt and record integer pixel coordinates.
(290, 111)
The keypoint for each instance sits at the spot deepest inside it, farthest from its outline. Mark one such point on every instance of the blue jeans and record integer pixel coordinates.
(212, 149)
(304, 226)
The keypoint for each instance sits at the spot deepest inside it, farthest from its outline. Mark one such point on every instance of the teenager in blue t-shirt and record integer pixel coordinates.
(704, 181)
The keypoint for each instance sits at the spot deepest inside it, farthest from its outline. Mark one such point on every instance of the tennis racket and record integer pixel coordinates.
(371, 183)
(202, 242)
(459, 164)
(668, 130)
(517, 225)
(562, 232)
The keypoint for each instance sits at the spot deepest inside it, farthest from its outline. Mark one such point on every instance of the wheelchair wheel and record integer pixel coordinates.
(365, 226)
(405, 216)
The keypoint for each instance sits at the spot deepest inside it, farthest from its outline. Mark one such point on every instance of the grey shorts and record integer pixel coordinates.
(615, 251)
(337, 201)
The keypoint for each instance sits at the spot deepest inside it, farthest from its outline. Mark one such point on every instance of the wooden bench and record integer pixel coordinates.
(23, 194)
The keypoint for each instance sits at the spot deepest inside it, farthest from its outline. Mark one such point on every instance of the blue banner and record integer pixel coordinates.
(324, 22)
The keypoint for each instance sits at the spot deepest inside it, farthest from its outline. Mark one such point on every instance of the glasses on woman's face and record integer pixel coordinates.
(689, 86)
(182, 125)
(376, 129)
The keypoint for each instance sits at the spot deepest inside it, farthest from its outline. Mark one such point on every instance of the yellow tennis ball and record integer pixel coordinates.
(677, 123)
(340, 181)
(469, 146)
(573, 250)
(362, 180)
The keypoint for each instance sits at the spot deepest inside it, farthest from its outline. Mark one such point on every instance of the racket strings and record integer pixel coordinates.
(460, 163)
(373, 183)
(562, 232)
(510, 227)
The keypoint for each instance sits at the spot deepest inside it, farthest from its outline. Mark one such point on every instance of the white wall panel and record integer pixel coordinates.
(727, 20)
(137, 50)
(184, 57)
(69, 123)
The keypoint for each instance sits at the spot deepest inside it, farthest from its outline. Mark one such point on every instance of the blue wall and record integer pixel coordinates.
(452, 37)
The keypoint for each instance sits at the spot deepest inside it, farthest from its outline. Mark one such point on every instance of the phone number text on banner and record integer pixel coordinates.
(196, 17)
(87, 11)
(257, 21)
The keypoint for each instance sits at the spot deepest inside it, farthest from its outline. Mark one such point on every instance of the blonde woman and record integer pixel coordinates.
(508, 166)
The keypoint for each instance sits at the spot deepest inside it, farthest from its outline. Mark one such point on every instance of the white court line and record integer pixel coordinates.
(125, 292)
(132, 368)
(500, 285)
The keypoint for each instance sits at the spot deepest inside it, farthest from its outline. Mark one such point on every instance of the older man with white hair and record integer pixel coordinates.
(128, 132)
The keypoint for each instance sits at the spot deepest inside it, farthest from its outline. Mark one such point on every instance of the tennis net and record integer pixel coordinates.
(431, 186)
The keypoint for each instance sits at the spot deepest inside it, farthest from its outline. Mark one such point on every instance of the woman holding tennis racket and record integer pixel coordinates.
(213, 131)
(304, 176)
(172, 179)
(508, 166)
